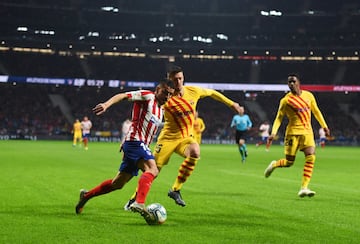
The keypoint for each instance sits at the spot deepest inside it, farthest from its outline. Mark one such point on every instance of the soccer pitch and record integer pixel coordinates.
(227, 201)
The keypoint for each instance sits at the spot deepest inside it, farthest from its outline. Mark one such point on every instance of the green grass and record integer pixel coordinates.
(227, 201)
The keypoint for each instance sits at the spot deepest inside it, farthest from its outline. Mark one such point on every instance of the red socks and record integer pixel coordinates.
(144, 185)
(103, 188)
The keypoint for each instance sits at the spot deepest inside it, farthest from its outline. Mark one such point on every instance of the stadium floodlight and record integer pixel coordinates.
(22, 29)
(271, 13)
(44, 32)
(222, 36)
(275, 13)
(93, 33)
(110, 9)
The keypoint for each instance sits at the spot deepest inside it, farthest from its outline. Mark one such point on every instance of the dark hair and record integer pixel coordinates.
(174, 70)
(166, 82)
(295, 75)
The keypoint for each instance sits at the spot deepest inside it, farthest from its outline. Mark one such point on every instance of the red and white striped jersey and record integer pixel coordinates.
(146, 116)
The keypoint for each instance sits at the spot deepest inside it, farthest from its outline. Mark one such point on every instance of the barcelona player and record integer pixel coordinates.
(77, 132)
(177, 133)
(199, 127)
(297, 105)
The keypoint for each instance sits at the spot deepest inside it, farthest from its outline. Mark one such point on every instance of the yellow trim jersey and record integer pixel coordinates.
(298, 110)
(199, 126)
(180, 111)
(77, 128)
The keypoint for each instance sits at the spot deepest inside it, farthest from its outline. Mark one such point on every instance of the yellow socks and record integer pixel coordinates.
(185, 170)
(283, 163)
(308, 169)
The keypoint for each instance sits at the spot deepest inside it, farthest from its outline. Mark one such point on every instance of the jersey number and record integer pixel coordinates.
(158, 148)
(289, 142)
(146, 148)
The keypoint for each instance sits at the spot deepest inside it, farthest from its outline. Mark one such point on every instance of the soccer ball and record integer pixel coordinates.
(159, 213)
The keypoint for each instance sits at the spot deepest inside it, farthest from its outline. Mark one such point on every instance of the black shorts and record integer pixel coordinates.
(240, 134)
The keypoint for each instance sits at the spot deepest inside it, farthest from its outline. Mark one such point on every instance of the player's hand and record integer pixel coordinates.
(270, 140)
(237, 107)
(327, 131)
(99, 109)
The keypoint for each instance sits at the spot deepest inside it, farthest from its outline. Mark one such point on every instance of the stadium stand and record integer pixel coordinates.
(240, 41)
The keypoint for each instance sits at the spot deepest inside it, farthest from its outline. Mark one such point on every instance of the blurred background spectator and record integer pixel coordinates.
(234, 41)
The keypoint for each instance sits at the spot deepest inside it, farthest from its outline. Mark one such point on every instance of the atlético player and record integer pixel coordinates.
(85, 127)
(147, 115)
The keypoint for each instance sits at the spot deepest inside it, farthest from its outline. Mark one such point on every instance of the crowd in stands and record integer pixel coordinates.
(149, 69)
(27, 110)
(141, 38)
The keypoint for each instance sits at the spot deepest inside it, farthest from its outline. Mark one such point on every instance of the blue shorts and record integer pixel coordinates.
(86, 135)
(264, 138)
(133, 152)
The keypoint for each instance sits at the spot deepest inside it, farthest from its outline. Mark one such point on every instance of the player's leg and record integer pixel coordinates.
(127, 170)
(267, 145)
(104, 187)
(322, 142)
(237, 141)
(148, 166)
(131, 200)
(85, 141)
(307, 174)
(260, 142)
(162, 153)
(80, 139)
(190, 150)
(144, 184)
(290, 149)
(239, 138)
(309, 152)
(77, 139)
(243, 149)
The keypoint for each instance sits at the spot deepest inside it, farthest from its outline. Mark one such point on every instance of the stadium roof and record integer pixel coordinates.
(212, 24)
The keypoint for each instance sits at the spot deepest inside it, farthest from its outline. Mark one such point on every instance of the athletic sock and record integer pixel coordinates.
(244, 149)
(185, 170)
(282, 163)
(241, 152)
(133, 196)
(103, 188)
(144, 185)
(308, 170)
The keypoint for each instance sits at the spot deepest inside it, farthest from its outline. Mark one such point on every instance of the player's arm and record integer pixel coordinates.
(233, 122)
(249, 123)
(278, 120)
(202, 127)
(318, 116)
(102, 107)
(221, 98)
